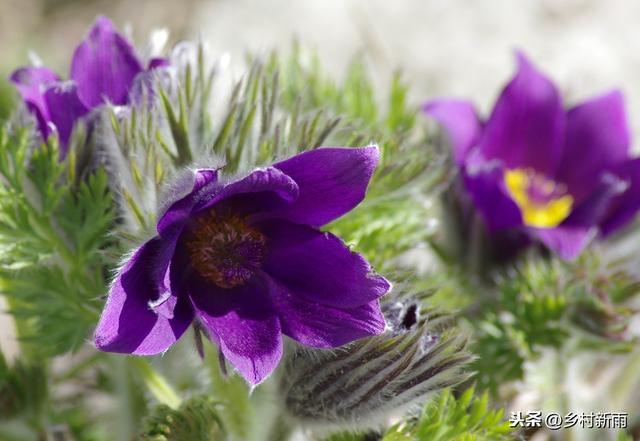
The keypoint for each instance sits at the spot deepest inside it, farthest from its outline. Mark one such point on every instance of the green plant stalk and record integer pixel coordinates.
(627, 383)
(237, 412)
(156, 383)
(280, 430)
(559, 376)
(127, 411)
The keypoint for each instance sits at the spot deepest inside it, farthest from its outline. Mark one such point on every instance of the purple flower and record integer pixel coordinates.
(561, 176)
(104, 68)
(246, 259)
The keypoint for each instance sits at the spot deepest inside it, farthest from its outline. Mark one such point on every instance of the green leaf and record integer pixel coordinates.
(196, 420)
(446, 418)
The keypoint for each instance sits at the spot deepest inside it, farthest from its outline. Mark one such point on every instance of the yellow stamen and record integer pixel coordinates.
(540, 214)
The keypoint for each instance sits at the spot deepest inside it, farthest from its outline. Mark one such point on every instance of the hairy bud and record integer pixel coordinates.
(364, 383)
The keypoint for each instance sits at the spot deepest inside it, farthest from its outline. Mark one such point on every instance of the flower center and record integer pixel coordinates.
(542, 202)
(225, 250)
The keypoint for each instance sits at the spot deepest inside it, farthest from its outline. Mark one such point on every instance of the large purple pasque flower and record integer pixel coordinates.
(561, 176)
(104, 69)
(246, 259)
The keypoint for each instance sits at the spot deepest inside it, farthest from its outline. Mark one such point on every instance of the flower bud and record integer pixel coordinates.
(366, 382)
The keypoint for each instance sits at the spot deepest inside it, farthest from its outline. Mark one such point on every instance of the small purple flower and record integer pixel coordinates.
(561, 176)
(104, 68)
(246, 259)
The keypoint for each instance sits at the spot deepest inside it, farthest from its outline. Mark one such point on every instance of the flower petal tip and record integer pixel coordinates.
(523, 62)
(101, 24)
(104, 47)
(372, 154)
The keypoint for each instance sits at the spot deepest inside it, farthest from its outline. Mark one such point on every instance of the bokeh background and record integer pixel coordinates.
(459, 47)
(455, 47)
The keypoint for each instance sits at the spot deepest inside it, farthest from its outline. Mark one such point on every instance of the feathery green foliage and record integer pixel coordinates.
(54, 242)
(394, 216)
(551, 304)
(196, 420)
(449, 419)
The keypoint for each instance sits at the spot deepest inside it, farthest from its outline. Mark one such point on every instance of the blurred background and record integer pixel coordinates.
(457, 47)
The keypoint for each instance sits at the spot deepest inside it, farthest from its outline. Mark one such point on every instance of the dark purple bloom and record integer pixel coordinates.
(246, 259)
(104, 66)
(561, 176)
(103, 69)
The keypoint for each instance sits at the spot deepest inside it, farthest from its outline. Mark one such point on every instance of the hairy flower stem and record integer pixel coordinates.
(624, 387)
(560, 378)
(281, 430)
(128, 410)
(156, 383)
(236, 413)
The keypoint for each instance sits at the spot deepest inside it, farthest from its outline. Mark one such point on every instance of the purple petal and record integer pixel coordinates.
(594, 207)
(197, 186)
(332, 181)
(460, 121)
(157, 62)
(104, 66)
(598, 137)
(321, 326)
(319, 266)
(625, 206)
(31, 82)
(266, 189)
(244, 324)
(65, 109)
(485, 185)
(565, 241)
(128, 323)
(262, 189)
(526, 127)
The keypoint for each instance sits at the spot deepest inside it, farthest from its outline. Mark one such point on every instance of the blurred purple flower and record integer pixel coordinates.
(246, 259)
(103, 69)
(561, 176)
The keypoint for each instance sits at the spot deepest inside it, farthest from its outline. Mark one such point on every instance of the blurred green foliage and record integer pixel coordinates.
(580, 305)
(446, 418)
(7, 99)
(53, 237)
